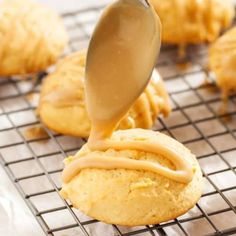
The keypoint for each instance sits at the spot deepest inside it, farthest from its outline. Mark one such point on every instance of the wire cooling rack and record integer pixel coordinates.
(34, 163)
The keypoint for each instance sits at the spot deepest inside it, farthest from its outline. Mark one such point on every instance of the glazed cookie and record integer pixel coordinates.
(193, 21)
(32, 37)
(62, 100)
(222, 61)
(110, 189)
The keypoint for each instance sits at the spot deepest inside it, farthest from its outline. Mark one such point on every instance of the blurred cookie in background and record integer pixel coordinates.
(192, 21)
(32, 37)
(222, 62)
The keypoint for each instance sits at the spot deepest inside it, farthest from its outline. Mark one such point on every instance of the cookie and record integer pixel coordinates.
(192, 21)
(32, 37)
(132, 196)
(222, 62)
(62, 100)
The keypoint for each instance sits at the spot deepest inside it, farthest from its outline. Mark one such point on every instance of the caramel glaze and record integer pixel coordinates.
(183, 172)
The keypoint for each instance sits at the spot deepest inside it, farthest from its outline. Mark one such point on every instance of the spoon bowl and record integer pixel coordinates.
(121, 56)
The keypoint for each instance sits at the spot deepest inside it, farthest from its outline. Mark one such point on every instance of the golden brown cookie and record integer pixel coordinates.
(222, 61)
(32, 37)
(62, 100)
(133, 197)
(193, 21)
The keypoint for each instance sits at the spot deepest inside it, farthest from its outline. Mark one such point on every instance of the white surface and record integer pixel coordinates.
(15, 217)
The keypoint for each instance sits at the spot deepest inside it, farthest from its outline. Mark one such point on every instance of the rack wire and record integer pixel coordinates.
(195, 121)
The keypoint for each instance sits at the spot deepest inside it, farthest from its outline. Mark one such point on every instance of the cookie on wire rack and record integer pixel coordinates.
(32, 37)
(222, 62)
(62, 100)
(193, 21)
(127, 196)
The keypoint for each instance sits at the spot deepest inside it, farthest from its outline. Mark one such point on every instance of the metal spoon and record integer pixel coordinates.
(121, 56)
